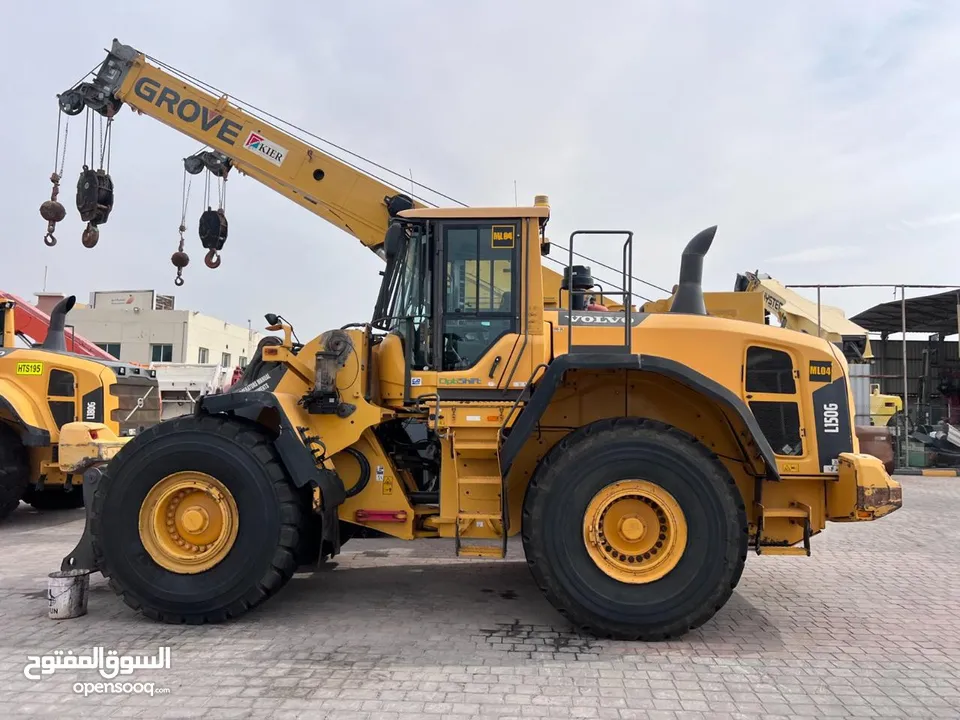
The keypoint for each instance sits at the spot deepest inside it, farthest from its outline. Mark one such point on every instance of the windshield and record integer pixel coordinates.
(406, 286)
(410, 297)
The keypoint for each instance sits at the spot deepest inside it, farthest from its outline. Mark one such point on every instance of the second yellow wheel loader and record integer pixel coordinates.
(50, 402)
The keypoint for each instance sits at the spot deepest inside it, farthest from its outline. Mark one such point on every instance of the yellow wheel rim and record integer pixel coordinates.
(635, 531)
(188, 522)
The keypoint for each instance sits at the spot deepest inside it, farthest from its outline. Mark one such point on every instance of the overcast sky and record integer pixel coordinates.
(821, 137)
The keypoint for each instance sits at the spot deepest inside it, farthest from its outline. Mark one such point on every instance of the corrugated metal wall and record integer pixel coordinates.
(886, 362)
(887, 368)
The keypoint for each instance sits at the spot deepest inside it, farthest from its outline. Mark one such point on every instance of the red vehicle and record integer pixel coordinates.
(32, 324)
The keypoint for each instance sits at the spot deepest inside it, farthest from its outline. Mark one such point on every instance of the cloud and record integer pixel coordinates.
(932, 221)
(790, 125)
(822, 254)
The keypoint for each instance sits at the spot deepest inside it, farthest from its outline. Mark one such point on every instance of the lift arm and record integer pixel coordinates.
(341, 194)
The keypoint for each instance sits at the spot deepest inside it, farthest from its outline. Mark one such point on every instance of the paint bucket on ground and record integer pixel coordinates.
(67, 593)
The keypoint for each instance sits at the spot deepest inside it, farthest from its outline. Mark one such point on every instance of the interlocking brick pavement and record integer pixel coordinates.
(867, 627)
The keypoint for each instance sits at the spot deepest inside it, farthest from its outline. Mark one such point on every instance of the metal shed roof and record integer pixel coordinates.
(928, 314)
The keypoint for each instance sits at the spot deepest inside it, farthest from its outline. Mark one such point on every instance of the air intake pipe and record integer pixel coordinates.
(55, 339)
(689, 295)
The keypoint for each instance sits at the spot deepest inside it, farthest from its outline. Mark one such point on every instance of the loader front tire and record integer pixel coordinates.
(634, 530)
(219, 478)
(14, 470)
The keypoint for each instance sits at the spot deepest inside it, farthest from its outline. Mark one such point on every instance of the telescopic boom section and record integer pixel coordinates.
(350, 199)
(341, 194)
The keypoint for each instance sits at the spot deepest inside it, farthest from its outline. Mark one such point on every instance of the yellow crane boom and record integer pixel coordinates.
(338, 192)
(343, 196)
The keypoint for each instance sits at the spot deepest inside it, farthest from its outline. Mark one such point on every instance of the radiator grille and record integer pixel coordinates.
(139, 404)
(780, 423)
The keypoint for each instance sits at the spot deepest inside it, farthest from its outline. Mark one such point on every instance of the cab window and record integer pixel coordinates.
(479, 303)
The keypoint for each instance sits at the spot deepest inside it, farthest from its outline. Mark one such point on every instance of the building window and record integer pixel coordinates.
(203, 356)
(225, 360)
(161, 353)
(243, 362)
(769, 371)
(112, 348)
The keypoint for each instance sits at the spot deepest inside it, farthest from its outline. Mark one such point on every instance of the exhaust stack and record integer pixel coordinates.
(55, 339)
(689, 295)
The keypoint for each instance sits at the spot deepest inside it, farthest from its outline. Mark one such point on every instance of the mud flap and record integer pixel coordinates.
(330, 529)
(81, 557)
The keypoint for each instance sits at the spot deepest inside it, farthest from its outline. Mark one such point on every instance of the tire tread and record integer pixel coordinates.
(14, 470)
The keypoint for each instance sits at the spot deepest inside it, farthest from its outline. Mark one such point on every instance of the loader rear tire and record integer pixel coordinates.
(270, 516)
(14, 470)
(605, 593)
(54, 498)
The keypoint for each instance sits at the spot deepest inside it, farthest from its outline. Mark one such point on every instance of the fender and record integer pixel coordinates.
(552, 378)
(30, 435)
(295, 456)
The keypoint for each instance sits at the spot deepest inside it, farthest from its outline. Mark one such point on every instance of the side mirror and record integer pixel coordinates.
(393, 240)
(271, 319)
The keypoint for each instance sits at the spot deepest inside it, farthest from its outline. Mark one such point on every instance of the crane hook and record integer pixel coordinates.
(91, 236)
(52, 211)
(212, 259)
(180, 259)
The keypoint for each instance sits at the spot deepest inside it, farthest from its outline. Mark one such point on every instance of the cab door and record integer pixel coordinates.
(479, 339)
(772, 388)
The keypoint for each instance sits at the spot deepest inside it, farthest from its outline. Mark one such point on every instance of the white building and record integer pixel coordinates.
(143, 326)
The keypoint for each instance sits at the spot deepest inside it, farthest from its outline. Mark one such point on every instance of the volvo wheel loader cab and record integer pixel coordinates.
(61, 413)
(638, 456)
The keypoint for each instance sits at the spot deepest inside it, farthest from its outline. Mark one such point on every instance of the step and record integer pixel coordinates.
(796, 513)
(479, 519)
(473, 548)
(480, 497)
(477, 448)
(781, 550)
(480, 480)
(482, 551)
(799, 514)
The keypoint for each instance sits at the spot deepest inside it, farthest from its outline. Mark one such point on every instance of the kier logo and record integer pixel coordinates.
(271, 151)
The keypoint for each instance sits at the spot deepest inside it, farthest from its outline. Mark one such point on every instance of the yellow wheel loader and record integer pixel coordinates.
(638, 456)
(53, 405)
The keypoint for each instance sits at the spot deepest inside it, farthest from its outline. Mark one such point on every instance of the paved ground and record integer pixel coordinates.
(868, 627)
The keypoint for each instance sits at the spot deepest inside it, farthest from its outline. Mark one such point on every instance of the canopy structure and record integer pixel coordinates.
(928, 314)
